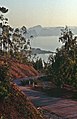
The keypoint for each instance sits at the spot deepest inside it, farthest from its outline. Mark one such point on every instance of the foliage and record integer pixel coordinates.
(64, 63)
(3, 9)
(13, 41)
(38, 64)
(47, 65)
(26, 82)
(4, 82)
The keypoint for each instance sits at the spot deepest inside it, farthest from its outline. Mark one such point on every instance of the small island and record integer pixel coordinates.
(40, 51)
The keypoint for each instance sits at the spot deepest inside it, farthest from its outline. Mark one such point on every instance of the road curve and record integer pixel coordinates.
(61, 108)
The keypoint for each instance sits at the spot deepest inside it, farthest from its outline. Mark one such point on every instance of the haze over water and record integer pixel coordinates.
(49, 43)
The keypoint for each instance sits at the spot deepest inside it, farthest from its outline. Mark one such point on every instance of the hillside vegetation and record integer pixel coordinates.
(13, 104)
(19, 70)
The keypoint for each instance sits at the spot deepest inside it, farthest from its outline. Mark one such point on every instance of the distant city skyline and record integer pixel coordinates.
(47, 13)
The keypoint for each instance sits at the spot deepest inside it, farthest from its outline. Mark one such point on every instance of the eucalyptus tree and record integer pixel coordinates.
(5, 30)
(13, 41)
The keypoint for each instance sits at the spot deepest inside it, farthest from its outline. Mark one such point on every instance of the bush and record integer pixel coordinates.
(24, 82)
(4, 82)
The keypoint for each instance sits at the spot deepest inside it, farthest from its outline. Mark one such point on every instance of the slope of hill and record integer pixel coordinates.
(16, 105)
(19, 70)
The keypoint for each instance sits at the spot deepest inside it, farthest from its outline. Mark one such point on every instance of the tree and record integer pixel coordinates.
(3, 9)
(38, 64)
(13, 41)
(24, 30)
(21, 45)
(4, 81)
(64, 65)
(5, 42)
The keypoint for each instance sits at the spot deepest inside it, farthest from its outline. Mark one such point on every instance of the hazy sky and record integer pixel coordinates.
(43, 12)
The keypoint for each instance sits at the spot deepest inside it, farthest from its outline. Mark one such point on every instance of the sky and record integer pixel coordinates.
(47, 13)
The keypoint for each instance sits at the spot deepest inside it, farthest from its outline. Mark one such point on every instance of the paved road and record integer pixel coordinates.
(39, 99)
(18, 81)
(64, 108)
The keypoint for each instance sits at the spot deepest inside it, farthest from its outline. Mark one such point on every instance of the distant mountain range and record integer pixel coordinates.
(47, 31)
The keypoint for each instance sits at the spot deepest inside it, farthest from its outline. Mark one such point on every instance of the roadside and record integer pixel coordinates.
(52, 106)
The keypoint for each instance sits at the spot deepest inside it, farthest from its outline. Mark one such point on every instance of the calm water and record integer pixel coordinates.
(49, 43)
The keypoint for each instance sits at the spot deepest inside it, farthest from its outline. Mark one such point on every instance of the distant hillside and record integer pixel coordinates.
(39, 51)
(47, 31)
(43, 31)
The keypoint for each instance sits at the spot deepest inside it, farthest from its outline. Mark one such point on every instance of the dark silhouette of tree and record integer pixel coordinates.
(38, 64)
(64, 63)
(24, 29)
(3, 9)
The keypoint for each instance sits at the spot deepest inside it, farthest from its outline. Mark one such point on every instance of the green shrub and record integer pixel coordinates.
(24, 82)
(4, 82)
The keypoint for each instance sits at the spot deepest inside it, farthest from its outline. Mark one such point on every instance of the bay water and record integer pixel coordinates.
(48, 43)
